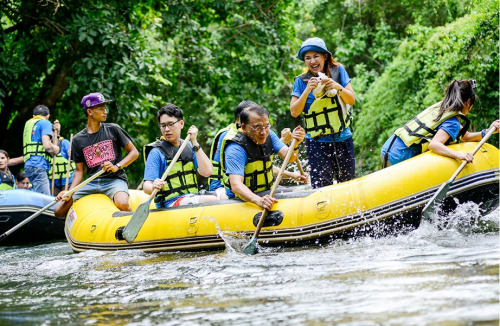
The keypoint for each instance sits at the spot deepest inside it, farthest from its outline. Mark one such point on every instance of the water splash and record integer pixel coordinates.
(466, 218)
(235, 241)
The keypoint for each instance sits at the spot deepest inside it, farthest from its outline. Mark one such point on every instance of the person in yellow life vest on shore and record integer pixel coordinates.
(248, 158)
(216, 179)
(436, 127)
(181, 185)
(38, 149)
(61, 161)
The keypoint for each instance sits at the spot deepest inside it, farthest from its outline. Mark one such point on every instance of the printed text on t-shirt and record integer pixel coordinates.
(99, 153)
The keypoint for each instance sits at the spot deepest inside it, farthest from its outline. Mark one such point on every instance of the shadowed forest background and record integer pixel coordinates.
(207, 56)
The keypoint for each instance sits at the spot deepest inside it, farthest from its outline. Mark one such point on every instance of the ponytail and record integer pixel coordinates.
(457, 93)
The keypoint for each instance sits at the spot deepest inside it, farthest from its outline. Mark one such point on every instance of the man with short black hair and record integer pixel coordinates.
(248, 158)
(38, 149)
(99, 146)
(181, 185)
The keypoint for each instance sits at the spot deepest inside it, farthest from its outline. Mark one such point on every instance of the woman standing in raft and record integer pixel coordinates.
(437, 125)
(330, 148)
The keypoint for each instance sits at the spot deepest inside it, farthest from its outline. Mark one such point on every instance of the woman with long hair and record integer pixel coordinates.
(436, 127)
(7, 180)
(327, 114)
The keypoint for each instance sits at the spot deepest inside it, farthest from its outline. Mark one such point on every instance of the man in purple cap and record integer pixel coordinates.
(99, 146)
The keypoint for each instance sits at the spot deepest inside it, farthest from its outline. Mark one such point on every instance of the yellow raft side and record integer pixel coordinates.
(91, 222)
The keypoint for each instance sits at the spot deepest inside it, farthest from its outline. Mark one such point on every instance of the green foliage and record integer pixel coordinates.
(207, 56)
(426, 62)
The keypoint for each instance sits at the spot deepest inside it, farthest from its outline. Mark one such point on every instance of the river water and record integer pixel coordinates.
(431, 276)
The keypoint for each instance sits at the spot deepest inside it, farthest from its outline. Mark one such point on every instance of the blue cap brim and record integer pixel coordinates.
(306, 48)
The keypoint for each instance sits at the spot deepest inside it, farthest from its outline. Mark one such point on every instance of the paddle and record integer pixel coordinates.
(7, 233)
(250, 248)
(68, 169)
(55, 139)
(141, 213)
(440, 195)
(299, 166)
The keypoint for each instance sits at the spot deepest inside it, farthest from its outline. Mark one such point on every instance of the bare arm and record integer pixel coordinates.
(239, 188)
(47, 144)
(477, 136)
(205, 166)
(297, 104)
(16, 161)
(298, 134)
(437, 145)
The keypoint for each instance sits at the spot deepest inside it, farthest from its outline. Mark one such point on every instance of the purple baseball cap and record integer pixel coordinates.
(91, 100)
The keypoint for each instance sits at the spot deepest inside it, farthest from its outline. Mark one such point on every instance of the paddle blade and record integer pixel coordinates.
(137, 221)
(436, 200)
(251, 247)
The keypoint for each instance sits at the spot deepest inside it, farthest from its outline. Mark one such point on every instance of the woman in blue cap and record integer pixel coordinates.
(327, 115)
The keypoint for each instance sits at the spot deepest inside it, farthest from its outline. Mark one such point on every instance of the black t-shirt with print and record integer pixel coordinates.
(104, 145)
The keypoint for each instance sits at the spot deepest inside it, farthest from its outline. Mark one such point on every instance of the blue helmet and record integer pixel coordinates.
(312, 44)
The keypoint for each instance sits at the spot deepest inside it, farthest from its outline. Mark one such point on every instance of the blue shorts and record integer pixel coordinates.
(105, 186)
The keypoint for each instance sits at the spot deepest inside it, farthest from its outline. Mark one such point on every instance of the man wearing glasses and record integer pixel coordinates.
(248, 158)
(181, 185)
(99, 146)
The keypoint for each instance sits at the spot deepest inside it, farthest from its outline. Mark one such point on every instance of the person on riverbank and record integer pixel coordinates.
(99, 146)
(436, 127)
(248, 158)
(38, 149)
(181, 185)
(7, 180)
(215, 182)
(22, 181)
(61, 162)
(330, 148)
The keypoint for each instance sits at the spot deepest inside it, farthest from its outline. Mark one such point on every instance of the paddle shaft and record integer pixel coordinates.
(299, 166)
(464, 163)
(55, 137)
(68, 169)
(440, 194)
(5, 234)
(275, 186)
(171, 165)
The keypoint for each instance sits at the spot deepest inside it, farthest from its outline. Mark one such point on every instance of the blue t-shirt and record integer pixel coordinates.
(41, 128)
(156, 164)
(299, 87)
(399, 152)
(216, 184)
(236, 158)
(64, 153)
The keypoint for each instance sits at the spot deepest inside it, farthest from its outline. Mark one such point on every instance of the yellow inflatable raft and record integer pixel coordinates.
(386, 201)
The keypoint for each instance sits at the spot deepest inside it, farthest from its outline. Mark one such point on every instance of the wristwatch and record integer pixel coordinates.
(340, 89)
(119, 166)
(196, 148)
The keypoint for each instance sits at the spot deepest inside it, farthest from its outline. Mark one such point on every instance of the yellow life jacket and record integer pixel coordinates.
(326, 115)
(8, 181)
(61, 164)
(217, 167)
(30, 147)
(422, 128)
(182, 178)
(259, 174)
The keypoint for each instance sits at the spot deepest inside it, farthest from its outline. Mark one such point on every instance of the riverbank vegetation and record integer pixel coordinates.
(207, 56)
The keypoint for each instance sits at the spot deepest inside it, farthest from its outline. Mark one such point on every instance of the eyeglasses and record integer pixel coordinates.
(169, 125)
(261, 128)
